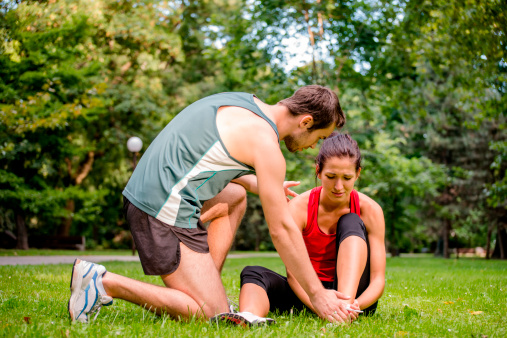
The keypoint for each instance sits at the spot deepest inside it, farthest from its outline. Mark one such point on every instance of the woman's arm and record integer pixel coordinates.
(373, 217)
(249, 182)
(298, 208)
(298, 290)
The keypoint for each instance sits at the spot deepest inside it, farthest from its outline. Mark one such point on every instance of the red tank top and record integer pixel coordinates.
(322, 247)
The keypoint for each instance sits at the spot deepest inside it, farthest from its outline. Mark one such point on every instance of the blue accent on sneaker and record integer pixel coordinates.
(86, 301)
(95, 275)
(91, 267)
(96, 291)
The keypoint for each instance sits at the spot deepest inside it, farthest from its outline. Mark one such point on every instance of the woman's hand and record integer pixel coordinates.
(328, 304)
(354, 315)
(288, 192)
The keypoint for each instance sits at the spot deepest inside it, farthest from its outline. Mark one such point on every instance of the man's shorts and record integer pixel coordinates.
(158, 243)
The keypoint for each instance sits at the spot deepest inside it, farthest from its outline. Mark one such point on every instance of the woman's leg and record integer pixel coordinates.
(253, 296)
(263, 290)
(253, 299)
(352, 254)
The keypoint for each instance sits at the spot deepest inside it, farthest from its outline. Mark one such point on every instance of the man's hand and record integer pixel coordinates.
(288, 192)
(328, 305)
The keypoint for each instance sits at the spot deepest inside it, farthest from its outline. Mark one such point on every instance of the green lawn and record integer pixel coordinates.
(424, 297)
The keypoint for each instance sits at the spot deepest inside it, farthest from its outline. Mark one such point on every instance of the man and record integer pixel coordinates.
(196, 171)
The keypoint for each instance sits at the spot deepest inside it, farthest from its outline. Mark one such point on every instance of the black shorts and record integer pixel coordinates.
(158, 243)
(280, 295)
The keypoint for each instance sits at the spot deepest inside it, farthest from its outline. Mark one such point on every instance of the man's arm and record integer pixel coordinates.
(269, 165)
(298, 208)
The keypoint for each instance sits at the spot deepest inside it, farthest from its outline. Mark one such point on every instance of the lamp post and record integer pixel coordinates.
(134, 145)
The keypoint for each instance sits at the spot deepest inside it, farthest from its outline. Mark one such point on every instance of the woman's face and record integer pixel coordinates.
(338, 177)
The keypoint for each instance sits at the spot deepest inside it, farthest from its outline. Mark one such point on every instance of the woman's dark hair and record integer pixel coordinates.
(319, 102)
(338, 145)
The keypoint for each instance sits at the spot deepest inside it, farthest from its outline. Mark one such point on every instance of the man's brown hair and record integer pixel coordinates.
(319, 102)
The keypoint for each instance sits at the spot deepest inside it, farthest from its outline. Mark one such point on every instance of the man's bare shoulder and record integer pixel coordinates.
(246, 134)
(242, 118)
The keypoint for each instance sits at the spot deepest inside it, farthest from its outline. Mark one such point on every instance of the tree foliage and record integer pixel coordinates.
(78, 78)
(422, 84)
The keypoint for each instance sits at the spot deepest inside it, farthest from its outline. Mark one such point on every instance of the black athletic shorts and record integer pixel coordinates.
(158, 243)
(280, 295)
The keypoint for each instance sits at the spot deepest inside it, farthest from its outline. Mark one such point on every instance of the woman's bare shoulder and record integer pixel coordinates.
(302, 198)
(298, 207)
(371, 213)
(368, 204)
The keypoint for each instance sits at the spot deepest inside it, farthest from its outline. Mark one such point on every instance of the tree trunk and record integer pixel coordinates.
(488, 241)
(22, 233)
(501, 242)
(457, 246)
(258, 236)
(312, 43)
(67, 221)
(445, 236)
(392, 247)
(439, 251)
(77, 178)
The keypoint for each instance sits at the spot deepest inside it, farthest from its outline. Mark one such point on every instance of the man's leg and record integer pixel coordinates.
(225, 212)
(193, 288)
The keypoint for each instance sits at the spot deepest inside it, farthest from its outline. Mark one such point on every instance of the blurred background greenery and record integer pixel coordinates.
(423, 85)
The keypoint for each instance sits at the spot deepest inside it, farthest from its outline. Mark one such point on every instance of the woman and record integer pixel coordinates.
(344, 235)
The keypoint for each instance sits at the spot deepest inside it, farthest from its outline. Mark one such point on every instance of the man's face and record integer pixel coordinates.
(300, 140)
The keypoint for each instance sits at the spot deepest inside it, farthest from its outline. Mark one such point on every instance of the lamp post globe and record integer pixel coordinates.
(134, 144)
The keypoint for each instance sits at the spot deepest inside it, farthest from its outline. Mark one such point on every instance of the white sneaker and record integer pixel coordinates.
(242, 319)
(232, 306)
(87, 294)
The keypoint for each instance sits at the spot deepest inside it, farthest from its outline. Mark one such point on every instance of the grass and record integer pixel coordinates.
(424, 297)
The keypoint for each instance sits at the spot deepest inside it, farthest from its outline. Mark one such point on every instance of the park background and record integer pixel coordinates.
(422, 84)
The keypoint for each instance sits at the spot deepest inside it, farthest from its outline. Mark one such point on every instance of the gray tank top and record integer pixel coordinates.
(187, 163)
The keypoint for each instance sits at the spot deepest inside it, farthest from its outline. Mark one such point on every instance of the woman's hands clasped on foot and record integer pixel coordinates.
(328, 304)
(354, 310)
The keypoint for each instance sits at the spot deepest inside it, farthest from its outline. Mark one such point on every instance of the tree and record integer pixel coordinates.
(77, 79)
(443, 77)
